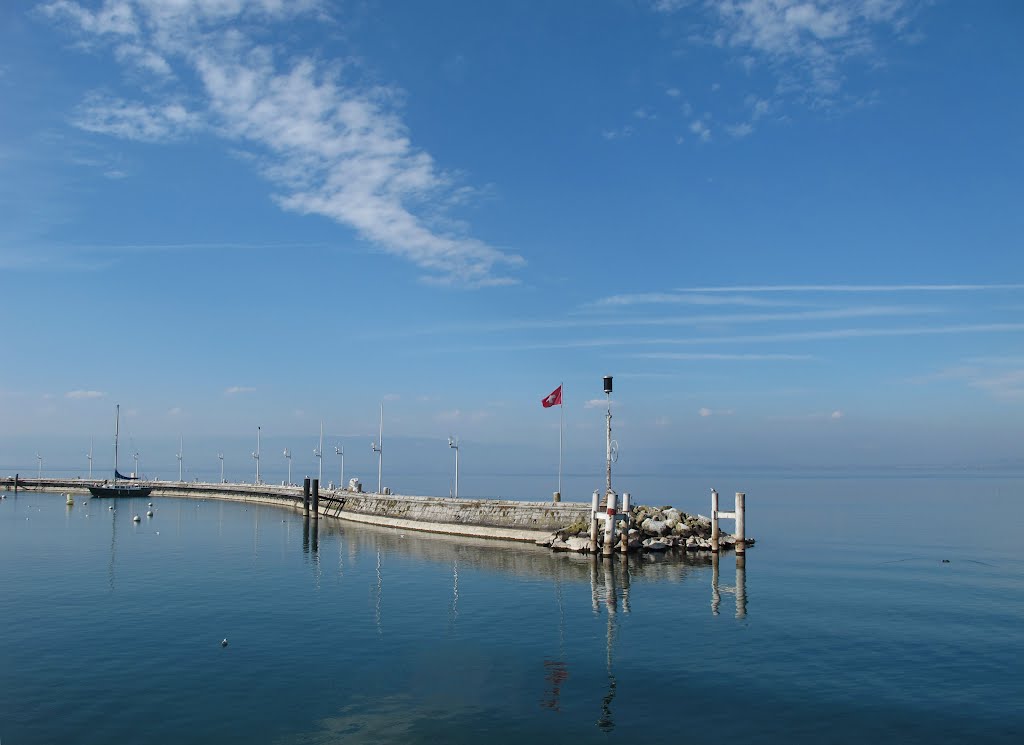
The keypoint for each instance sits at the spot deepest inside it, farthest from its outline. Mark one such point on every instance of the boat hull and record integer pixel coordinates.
(129, 491)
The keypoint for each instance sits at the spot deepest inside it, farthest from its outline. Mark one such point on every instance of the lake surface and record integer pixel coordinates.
(844, 625)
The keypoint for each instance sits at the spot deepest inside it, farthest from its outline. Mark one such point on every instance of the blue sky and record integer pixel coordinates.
(790, 230)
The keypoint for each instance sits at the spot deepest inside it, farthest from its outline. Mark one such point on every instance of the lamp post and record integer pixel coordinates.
(609, 443)
(89, 456)
(256, 455)
(135, 455)
(318, 451)
(378, 447)
(179, 456)
(454, 445)
(340, 451)
(288, 455)
(40, 459)
(220, 457)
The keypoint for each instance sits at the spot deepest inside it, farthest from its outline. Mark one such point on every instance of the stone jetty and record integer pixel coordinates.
(649, 529)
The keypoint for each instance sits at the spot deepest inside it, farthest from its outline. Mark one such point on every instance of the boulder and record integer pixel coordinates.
(577, 543)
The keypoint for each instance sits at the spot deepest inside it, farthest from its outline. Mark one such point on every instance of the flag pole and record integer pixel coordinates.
(561, 427)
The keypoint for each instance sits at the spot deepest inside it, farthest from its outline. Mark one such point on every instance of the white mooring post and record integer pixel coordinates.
(593, 522)
(595, 502)
(609, 525)
(625, 523)
(739, 515)
(714, 521)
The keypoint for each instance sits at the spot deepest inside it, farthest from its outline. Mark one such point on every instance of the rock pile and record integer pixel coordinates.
(649, 529)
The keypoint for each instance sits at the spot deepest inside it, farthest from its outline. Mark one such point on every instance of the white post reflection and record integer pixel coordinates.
(612, 587)
(739, 590)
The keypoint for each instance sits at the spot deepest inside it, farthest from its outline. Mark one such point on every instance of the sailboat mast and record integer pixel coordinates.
(117, 428)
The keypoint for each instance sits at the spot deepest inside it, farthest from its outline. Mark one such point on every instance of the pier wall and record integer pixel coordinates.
(484, 518)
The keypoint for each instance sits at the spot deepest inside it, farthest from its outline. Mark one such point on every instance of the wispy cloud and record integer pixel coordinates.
(807, 43)
(328, 144)
(713, 356)
(793, 336)
(706, 412)
(80, 394)
(238, 389)
(858, 288)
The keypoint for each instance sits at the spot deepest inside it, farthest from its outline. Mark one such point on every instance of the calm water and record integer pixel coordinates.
(845, 625)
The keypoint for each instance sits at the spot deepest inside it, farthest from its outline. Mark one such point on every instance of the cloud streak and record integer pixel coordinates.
(329, 145)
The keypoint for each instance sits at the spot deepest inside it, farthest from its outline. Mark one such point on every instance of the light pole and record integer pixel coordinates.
(40, 459)
(611, 447)
(179, 456)
(378, 447)
(136, 456)
(341, 476)
(288, 455)
(454, 445)
(220, 457)
(89, 456)
(256, 455)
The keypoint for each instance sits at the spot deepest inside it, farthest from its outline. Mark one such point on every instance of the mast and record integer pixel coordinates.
(117, 429)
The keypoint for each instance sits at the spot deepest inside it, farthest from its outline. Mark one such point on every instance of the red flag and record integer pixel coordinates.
(553, 399)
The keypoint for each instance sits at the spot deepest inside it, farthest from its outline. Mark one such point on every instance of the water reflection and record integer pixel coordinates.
(739, 590)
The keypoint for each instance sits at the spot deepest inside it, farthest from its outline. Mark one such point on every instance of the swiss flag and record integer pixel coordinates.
(553, 399)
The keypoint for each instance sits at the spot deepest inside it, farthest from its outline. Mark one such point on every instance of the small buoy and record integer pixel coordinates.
(136, 519)
(149, 514)
(224, 642)
(150, 504)
(945, 561)
(110, 507)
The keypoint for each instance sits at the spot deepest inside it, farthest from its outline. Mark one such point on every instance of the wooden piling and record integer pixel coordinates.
(316, 503)
(305, 497)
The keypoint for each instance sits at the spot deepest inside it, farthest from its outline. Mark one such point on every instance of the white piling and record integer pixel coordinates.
(741, 535)
(609, 525)
(593, 522)
(625, 523)
(714, 521)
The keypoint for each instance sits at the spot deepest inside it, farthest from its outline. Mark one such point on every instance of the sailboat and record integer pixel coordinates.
(123, 489)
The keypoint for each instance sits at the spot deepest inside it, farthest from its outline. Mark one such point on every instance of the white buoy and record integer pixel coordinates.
(150, 504)
(149, 514)
(136, 519)
(224, 642)
(70, 501)
(110, 507)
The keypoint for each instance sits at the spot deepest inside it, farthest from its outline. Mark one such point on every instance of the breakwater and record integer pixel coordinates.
(482, 518)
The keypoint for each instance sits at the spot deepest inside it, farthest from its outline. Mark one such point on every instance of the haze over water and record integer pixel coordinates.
(848, 626)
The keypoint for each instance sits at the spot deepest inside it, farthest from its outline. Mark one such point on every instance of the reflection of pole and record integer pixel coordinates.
(716, 596)
(741, 585)
(607, 722)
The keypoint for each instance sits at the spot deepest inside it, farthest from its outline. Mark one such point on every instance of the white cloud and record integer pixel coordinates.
(807, 42)
(701, 130)
(856, 288)
(597, 403)
(837, 414)
(744, 129)
(329, 145)
(133, 121)
(175, 411)
(705, 412)
(237, 389)
(84, 394)
(392, 396)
